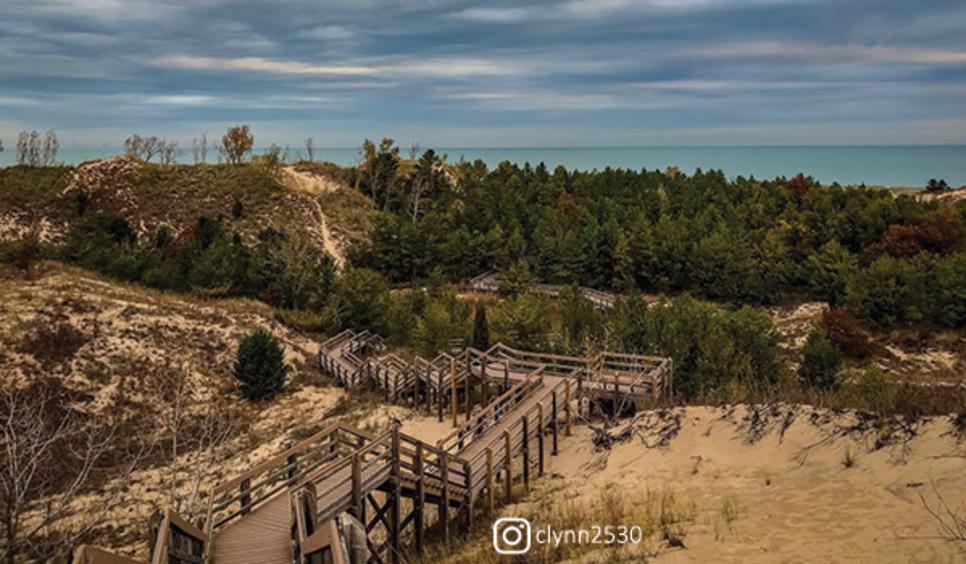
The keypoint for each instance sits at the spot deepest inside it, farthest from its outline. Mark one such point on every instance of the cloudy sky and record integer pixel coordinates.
(504, 74)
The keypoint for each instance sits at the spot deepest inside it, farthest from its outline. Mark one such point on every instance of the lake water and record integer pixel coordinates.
(882, 165)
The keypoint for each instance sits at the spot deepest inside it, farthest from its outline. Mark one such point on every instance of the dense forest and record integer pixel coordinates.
(890, 260)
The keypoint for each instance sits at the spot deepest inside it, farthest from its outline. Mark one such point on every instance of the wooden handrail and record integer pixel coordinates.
(172, 523)
(512, 395)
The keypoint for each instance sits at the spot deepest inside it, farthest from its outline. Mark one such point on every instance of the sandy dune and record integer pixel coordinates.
(796, 501)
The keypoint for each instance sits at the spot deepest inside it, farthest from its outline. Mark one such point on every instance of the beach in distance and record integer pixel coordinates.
(877, 165)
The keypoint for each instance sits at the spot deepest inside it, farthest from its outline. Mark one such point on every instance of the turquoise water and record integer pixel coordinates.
(885, 165)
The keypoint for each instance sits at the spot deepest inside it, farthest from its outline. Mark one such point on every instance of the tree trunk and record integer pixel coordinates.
(10, 528)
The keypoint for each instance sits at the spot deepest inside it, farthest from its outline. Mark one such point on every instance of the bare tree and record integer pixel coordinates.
(425, 181)
(309, 148)
(34, 152)
(236, 144)
(169, 152)
(33, 149)
(23, 145)
(200, 148)
(144, 148)
(203, 146)
(190, 425)
(49, 456)
(132, 146)
(152, 146)
(50, 148)
(28, 148)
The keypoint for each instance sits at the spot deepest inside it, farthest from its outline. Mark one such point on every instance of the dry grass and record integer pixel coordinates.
(350, 215)
(662, 517)
(729, 509)
(848, 458)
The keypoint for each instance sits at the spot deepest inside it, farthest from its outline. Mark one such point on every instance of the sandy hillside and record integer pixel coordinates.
(112, 345)
(774, 487)
(939, 358)
(100, 337)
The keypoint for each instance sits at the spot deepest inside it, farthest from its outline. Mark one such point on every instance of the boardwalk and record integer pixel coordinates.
(490, 282)
(263, 536)
(284, 509)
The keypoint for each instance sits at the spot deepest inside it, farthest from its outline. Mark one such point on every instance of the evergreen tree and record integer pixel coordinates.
(260, 366)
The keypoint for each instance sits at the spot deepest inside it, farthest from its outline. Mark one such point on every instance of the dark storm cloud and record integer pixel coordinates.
(500, 73)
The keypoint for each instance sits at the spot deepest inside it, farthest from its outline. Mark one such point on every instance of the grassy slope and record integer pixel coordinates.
(151, 196)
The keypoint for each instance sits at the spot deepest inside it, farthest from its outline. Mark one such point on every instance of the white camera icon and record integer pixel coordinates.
(511, 536)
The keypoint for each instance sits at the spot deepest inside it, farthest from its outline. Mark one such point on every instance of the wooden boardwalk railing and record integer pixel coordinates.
(490, 282)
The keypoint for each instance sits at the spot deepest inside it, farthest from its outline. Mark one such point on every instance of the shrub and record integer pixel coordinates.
(23, 253)
(821, 362)
(713, 349)
(876, 390)
(846, 333)
(260, 366)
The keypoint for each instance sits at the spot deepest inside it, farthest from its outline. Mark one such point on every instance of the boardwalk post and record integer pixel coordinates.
(553, 420)
(506, 375)
(411, 371)
(467, 387)
(396, 516)
(420, 497)
(439, 395)
(246, 495)
(617, 394)
(452, 380)
(358, 502)
(444, 507)
(508, 463)
(580, 389)
(469, 496)
(526, 454)
(485, 381)
(334, 443)
(567, 406)
(292, 463)
(489, 477)
(540, 439)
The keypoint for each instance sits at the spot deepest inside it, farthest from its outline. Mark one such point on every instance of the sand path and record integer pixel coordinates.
(314, 186)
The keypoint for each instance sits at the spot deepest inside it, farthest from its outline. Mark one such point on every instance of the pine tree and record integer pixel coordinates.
(260, 366)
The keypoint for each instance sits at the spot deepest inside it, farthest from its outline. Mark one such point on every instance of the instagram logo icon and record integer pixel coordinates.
(511, 536)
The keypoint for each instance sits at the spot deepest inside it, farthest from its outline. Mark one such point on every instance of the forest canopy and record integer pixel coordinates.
(890, 260)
